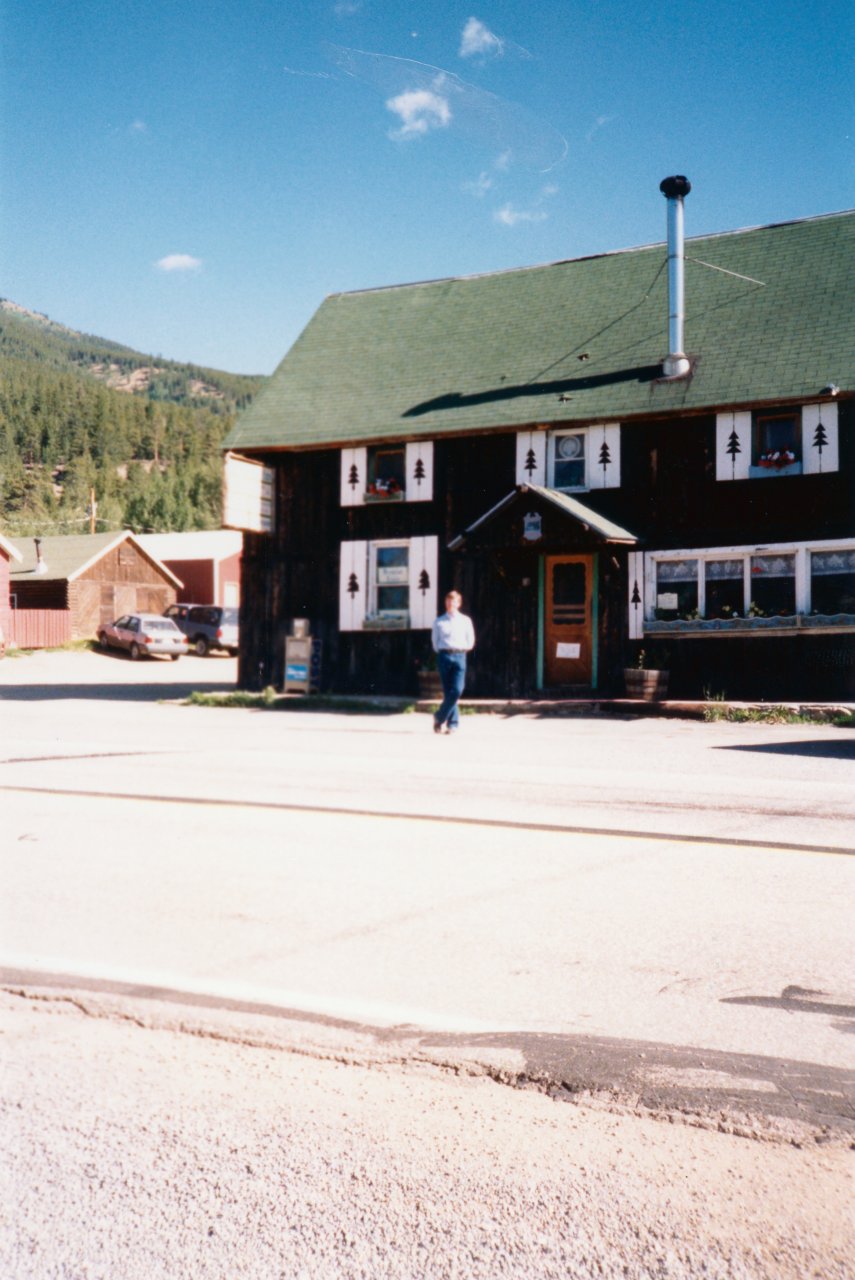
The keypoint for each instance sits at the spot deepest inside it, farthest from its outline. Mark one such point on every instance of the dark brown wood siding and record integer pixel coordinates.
(669, 498)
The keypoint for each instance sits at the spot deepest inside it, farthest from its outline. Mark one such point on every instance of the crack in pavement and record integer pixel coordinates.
(771, 1099)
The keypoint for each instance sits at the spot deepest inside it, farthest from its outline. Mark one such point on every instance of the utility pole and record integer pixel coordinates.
(93, 510)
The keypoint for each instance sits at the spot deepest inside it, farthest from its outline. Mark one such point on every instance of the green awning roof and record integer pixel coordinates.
(565, 502)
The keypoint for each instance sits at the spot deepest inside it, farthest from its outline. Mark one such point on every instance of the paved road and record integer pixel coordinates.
(654, 911)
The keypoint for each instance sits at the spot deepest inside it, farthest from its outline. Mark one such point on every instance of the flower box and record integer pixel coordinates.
(396, 496)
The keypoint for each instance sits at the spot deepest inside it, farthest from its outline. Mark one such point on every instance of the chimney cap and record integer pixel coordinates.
(679, 185)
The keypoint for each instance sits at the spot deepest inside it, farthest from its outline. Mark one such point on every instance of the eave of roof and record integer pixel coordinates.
(11, 550)
(574, 341)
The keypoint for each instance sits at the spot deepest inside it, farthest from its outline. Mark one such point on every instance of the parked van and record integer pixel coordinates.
(207, 626)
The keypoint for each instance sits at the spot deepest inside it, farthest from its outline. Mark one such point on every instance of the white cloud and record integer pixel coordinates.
(138, 126)
(179, 262)
(479, 40)
(509, 216)
(344, 8)
(480, 187)
(420, 110)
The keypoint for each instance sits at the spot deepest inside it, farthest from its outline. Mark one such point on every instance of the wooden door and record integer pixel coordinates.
(568, 623)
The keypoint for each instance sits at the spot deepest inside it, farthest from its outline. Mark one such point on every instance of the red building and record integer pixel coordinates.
(208, 562)
(7, 553)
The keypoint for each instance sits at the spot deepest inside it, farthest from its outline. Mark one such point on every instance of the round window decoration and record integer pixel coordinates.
(569, 447)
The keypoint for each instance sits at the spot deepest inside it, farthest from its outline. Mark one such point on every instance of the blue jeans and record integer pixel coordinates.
(452, 673)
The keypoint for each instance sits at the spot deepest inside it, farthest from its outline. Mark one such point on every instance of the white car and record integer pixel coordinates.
(140, 633)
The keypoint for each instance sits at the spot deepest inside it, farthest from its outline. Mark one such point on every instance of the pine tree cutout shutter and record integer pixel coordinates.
(353, 476)
(353, 578)
(733, 445)
(820, 452)
(424, 561)
(419, 471)
(531, 457)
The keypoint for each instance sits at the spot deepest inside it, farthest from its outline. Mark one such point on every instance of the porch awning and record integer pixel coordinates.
(591, 522)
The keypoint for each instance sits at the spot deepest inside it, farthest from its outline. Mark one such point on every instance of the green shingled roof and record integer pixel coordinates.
(574, 341)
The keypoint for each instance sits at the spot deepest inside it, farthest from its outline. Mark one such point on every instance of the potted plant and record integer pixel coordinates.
(643, 681)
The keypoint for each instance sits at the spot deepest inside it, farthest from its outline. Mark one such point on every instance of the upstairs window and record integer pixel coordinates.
(393, 472)
(777, 443)
(387, 476)
(568, 460)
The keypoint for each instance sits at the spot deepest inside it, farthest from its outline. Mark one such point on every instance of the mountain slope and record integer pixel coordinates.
(80, 414)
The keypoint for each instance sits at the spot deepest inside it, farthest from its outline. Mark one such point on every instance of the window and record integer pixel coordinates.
(676, 589)
(389, 582)
(725, 588)
(393, 472)
(773, 585)
(388, 585)
(745, 588)
(832, 582)
(776, 444)
(568, 460)
(386, 473)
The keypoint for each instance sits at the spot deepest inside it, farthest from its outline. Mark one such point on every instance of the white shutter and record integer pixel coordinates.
(531, 457)
(354, 480)
(353, 584)
(819, 439)
(636, 595)
(732, 445)
(419, 471)
(602, 451)
(424, 564)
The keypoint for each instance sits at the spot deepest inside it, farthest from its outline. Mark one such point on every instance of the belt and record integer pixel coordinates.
(453, 650)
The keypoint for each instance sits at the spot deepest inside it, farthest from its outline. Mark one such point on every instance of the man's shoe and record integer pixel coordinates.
(437, 728)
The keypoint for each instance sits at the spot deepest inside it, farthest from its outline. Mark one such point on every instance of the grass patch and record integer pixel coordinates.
(777, 715)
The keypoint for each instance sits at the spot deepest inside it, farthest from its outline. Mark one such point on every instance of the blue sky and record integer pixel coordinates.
(192, 179)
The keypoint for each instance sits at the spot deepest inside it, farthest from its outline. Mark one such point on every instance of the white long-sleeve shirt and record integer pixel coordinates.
(453, 631)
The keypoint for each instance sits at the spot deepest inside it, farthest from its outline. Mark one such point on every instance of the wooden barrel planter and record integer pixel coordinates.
(651, 686)
(430, 686)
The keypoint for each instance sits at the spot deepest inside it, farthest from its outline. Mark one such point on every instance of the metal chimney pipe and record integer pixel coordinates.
(41, 567)
(674, 189)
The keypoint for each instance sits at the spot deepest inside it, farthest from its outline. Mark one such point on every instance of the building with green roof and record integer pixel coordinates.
(521, 435)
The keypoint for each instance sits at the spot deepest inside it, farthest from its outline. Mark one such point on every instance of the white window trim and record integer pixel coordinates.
(373, 615)
(801, 550)
(355, 461)
(739, 466)
(357, 607)
(597, 435)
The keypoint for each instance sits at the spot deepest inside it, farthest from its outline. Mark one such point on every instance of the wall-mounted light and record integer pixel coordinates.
(830, 389)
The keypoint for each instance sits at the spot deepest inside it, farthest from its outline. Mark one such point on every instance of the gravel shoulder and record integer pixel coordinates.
(147, 1152)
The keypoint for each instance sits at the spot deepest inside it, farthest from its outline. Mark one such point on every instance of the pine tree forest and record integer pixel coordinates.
(147, 446)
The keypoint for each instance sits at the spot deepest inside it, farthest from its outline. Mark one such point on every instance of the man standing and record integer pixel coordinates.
(452, 637)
